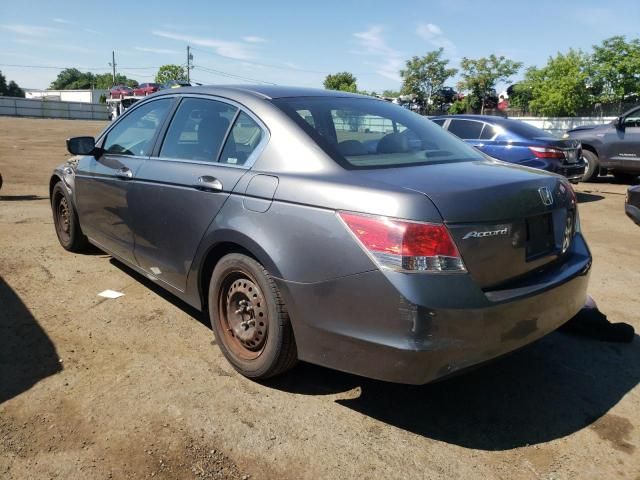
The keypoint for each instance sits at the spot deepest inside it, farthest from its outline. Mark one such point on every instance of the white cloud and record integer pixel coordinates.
(29, 30)
(62, 20)
(253, 39)
(388, 61)
(223, 48)
(435, 36)
(166, 51)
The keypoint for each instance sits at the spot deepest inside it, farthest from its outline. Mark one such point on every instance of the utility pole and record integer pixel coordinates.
(189, 67)
(113, 65)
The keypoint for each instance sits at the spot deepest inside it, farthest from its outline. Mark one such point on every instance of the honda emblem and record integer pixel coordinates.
(545, 196)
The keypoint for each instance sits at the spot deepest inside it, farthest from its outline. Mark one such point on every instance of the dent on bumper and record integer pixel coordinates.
(363, 324)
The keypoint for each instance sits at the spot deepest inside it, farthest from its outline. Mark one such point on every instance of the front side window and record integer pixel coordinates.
(198, 130)
(466, 129)
(133, 135)
(370, 133)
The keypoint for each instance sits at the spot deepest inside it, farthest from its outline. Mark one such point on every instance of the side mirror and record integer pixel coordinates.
(81, 145)
(619, 123)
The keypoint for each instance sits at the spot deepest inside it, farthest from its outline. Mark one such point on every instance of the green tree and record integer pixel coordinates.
(391, 93)
(105, 80)
(343, 81)
(74, 79)
(425, 76)
(167, 73)
(11, 89)
(561, 87)
(480, 76)
(615, 69)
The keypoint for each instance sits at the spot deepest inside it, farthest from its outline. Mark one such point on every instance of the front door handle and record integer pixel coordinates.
(208, 183)
(124, 173)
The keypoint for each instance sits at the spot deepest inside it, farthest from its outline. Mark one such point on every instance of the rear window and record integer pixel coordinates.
(370, 133)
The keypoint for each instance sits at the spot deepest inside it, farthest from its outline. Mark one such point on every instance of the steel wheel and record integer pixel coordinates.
(249, 318)
(244, 316)
(63, 218)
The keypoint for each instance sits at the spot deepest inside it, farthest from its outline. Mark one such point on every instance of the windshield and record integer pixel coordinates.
(370, 133)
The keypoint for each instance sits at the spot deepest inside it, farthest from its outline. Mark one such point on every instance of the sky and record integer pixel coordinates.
(293, 42)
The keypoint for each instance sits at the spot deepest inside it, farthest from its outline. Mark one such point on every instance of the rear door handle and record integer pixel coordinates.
(124, 173)
(208, 183)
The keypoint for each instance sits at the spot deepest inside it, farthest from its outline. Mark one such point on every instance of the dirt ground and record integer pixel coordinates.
(136, 388)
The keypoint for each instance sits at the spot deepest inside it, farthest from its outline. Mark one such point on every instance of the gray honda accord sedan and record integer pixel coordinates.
(327, 227)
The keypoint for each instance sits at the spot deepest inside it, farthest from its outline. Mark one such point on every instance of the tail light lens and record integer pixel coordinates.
(405, 245)
(547, 152)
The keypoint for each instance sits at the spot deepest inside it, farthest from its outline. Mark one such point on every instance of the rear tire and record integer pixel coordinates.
(593, 166)
(249, 318)
(65, 220)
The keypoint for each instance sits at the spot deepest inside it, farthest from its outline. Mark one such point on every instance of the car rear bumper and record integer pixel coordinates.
(573, 172)
(414, 328)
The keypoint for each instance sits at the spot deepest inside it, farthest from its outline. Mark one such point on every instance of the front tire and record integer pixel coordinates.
(593, 166)
(66, 221)
(249, 318)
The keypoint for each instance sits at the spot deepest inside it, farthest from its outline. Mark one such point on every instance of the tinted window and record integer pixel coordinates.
(245, 136)
(525, 130)
(466, 129)
(133, 134)
(369, 133)
(197, 130)
(488, 132)
(439, 121)
(308, 117)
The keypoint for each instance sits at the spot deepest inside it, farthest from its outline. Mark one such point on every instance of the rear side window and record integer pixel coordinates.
(488, 132)
(133, 134)
(466, 129)
(439, 121)
(245, 136)
(362, 132)
(198, 130)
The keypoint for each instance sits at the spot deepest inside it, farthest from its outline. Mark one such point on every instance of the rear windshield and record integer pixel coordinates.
(370, 133)
(528, 131)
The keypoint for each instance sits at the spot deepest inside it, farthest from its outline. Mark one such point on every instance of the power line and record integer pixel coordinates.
(231, 75)
(279, 67)
(56, 67)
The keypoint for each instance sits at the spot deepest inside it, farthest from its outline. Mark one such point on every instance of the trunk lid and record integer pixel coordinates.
(506, 220)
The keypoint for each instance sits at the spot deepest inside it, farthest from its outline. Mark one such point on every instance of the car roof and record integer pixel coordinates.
(267, 91)
(484, 118)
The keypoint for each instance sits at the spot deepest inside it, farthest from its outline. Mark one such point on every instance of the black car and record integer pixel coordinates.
(632, 204)
(611, 148)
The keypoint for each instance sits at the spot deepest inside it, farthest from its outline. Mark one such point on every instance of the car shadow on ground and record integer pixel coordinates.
(551, 389)
(27, 355)
(20, 198)
(161, 292)
(588, 197)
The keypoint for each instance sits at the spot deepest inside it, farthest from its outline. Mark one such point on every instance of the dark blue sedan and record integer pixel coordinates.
(514, 141)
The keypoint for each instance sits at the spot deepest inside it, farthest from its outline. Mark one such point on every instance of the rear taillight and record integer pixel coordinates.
(405, 245)
(547, 152)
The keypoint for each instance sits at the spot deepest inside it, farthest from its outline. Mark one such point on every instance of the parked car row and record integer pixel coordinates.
(144, 89)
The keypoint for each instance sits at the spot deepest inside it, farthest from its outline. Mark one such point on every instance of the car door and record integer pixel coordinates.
(624, 143)
(208, 146)
(102, 184)
(467, 130)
